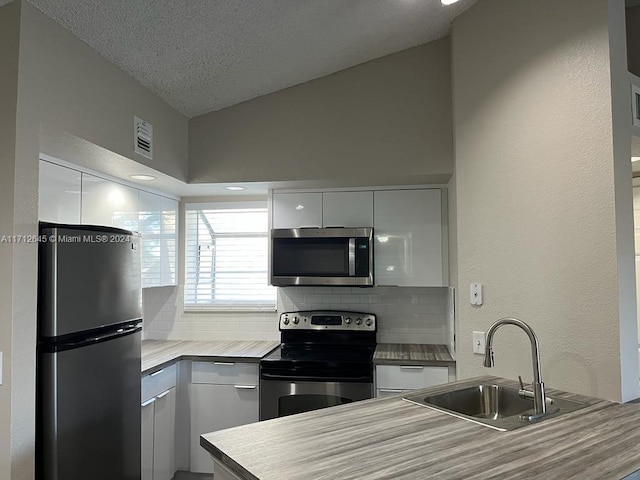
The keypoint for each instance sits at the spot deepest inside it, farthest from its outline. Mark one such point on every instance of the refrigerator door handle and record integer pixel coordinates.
(148, 402)
(120, 332)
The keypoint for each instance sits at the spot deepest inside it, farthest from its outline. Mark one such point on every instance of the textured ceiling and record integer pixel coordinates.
(204, 55)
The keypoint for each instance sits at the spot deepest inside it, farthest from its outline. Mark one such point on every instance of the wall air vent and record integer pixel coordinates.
(143, 137)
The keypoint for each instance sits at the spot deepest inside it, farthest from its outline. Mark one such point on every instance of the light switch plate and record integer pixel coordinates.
(478, 343)
(475, 293)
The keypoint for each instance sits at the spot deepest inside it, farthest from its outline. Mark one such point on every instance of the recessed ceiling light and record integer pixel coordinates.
(448, 2)
(300, 207)
(143, 177)
(235, 188)
(635, 159)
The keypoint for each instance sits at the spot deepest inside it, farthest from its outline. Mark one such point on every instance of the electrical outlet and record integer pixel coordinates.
(478, 343)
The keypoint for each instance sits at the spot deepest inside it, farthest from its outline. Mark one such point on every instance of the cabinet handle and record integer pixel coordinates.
(163, 394)
(156, 373)
(245, 387)
(411, 367)
(391, 390)
(148, 402)
(224, 363)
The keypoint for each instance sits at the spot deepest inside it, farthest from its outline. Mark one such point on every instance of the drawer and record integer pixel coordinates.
(158, 382)
(225, 373)
(410, 377)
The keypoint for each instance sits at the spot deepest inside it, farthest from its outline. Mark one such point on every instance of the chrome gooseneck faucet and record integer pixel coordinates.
(539, 403)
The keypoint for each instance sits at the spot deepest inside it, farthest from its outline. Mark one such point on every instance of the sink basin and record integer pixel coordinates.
(494, 406)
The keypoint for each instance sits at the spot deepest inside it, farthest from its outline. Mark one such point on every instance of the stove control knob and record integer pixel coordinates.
(358, 321)
(368, 322)
(347, 320)
(286, 320)
(296, 320)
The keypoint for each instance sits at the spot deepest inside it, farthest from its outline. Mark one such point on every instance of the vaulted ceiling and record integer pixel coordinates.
(204, 55)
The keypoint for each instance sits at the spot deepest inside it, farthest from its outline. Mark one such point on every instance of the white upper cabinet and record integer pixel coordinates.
(408, 237)
(97, 201)
(125, 207)
(295, 210)
(157, 226)
(69, 196)
(109, 203)
(322, 209)
(59, 194)
(347, 209)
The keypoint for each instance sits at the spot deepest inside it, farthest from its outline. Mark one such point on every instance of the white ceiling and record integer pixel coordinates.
(204, 55)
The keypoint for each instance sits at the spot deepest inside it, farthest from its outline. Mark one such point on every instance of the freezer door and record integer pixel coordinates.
(89, 278)
(89, 411)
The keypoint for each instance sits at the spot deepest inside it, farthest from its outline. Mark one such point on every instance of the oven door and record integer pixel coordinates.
(279, 398)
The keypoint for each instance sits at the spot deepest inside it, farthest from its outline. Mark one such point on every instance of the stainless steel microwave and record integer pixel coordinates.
(322, 256)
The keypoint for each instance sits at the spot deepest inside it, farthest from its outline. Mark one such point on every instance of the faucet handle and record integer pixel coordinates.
(521, 382)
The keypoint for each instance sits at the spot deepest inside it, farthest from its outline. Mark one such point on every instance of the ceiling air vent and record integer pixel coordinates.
(143, 137)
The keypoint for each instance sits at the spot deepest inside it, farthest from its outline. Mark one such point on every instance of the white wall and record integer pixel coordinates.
(9, 39)
(64, 83)
(537, 212)
(383, 122)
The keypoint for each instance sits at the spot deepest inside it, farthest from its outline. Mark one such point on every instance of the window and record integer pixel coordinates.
(226, 257)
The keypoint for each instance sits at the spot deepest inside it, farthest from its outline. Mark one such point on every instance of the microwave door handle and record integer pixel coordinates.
(352, 257)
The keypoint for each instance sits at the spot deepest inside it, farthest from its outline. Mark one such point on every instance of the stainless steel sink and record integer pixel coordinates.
(495, 406)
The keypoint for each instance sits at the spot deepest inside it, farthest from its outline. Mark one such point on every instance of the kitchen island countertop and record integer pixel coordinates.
(157, 354)
(389, 438)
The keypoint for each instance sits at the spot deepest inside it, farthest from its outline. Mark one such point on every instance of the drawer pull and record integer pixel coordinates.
(224, 363)
(245, 387)
(411, 367)
(148, 402)
(156, 373)
(391, 390)
(163, 394)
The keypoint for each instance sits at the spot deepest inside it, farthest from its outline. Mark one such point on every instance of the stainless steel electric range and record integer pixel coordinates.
(324, 359)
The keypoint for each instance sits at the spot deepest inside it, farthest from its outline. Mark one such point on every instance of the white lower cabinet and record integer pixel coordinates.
(231, 401)
(158, 410)
(148, 410)
(396, 379)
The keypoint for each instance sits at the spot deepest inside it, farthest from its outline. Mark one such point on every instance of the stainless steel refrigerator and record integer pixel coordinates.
(88, 365)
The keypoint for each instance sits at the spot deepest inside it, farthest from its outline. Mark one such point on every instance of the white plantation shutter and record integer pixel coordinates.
(226, 257)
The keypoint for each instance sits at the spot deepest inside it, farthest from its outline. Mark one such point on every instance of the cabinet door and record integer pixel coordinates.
(168, 268)
(157, 226)
(216, 407)
(408, 237)
(147, 410)
(125, 207)
(347, 209)
(59, 194)
(164, 435)
(97, 201)
(294, 210)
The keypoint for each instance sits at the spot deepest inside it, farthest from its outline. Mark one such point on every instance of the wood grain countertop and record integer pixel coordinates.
(412, 354)
(157, 354)
(389, 438)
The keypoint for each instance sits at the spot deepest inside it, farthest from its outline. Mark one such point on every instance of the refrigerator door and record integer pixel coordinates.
(89, 408)
(89, 278)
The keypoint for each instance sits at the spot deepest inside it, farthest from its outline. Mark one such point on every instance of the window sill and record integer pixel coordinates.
(228, 309)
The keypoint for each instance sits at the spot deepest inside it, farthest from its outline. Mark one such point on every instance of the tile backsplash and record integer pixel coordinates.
(405, 315)
(165, 319)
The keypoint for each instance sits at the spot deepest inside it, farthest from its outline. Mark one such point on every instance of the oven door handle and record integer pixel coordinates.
(297, 378)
